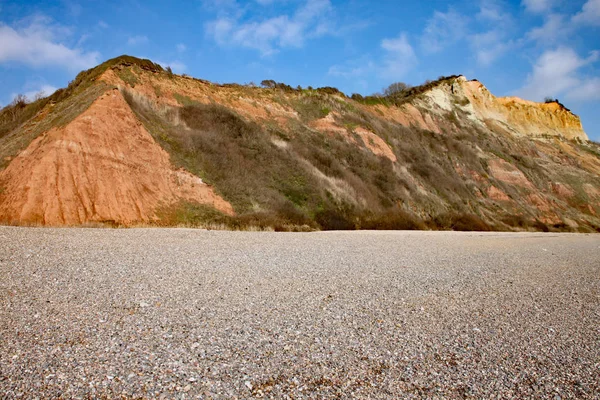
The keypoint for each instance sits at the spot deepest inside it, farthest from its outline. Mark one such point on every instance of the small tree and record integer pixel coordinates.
(19, 101)
(549, 99)
(169, 71)
(268, 83)
(16, 106)
(395, 88)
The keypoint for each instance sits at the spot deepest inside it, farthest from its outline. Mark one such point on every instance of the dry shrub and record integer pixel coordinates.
(520, 221)
(196, 215)
(462, 221)
(332, 219)
(393, 220)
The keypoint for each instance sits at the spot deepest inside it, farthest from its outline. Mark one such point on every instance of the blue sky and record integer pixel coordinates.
(528, 48)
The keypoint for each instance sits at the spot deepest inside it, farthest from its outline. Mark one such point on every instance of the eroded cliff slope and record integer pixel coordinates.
(129, 143)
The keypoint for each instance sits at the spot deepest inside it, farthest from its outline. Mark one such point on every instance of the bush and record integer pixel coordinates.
(334, 220)
(469, 222)
(540, 226)
(271, 84)
(520, 221)
(268, 83)
(19, 101)
(392, 220)
(330, 90)
(396, 88)
(461, 222)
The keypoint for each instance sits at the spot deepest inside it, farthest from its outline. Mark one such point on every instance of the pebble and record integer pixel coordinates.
(298, 315)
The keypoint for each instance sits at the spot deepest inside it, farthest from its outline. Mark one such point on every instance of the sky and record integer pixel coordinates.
(527, 48)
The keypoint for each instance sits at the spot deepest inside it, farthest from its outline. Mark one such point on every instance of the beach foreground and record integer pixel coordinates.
(179, 313)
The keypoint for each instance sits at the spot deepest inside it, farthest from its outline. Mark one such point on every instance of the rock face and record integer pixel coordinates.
(510, 114)
(519, 116)
(472, 101)
(447, 155)
(102, 167)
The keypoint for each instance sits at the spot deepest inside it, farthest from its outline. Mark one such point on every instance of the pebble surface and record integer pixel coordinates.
(180, 313)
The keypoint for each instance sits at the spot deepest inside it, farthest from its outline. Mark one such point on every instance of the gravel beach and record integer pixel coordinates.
(181, 313)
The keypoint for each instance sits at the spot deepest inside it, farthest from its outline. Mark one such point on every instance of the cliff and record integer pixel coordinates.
(128, 143)
(521, 116)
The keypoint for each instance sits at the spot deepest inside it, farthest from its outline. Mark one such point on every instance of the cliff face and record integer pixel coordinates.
(128, 143)
(473, 101)
(520, 116)
(102, 167)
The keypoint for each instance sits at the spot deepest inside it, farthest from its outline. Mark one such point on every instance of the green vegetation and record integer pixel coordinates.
(184, 100)
(127, 75)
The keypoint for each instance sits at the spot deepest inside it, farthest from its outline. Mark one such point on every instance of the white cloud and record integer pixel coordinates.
(556, 73)
(102, 24)
(555, 29)
(588, 90)
(181, 47)
(84, 38)
(400, 57)
(494, 11)
(489, 46)
(353, 69)
(137, 40)
(38, 44)
(590, 14)
(270, 35)
(538, 6)
(493, 41)
(443, 29)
